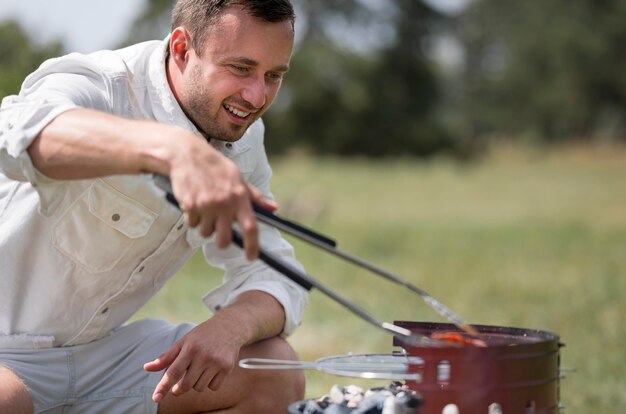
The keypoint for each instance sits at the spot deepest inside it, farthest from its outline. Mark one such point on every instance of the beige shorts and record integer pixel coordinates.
(105, 376)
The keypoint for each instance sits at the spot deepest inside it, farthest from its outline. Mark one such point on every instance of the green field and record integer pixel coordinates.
(527, 238)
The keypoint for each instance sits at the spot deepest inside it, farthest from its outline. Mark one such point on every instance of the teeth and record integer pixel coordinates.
(236, 112)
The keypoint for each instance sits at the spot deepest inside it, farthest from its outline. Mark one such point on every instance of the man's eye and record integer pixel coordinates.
(275, 76)
(241, 69)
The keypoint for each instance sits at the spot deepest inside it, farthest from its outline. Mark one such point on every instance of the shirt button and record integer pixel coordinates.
(229, 145)
(105, 310)
(115, 217)
(141, 269)
(180, 226)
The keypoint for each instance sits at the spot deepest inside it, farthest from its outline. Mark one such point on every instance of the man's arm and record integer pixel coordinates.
(206, 355)
(84, 143)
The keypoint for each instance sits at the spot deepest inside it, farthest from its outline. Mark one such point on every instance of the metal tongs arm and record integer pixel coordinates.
(330, 246)
(307, 282)
(372, 366)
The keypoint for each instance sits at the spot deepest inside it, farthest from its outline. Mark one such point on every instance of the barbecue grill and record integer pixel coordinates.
(517, 372)
(493, 370)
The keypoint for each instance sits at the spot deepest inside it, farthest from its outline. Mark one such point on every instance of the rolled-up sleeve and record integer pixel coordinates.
(45, 94)
(241, 275)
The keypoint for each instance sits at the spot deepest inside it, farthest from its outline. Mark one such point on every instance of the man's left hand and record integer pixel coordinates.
(197, 361)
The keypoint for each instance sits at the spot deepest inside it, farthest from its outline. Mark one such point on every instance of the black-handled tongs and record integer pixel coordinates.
(330, 246)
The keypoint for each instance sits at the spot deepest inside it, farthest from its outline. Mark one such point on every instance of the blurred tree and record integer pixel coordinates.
(19, 56)
(405, 89)
(353, 94)
(152, 23)
(360, 83)
(550, 69)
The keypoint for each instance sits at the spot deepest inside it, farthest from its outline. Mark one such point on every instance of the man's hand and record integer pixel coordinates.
(213, 195)
(208, 353)
(198, 361)
(83, 143)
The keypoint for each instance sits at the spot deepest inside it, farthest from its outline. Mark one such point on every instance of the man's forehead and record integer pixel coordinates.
(242, 37)
(238, 21)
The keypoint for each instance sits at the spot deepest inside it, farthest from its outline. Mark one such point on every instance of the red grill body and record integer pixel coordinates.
(518, 372)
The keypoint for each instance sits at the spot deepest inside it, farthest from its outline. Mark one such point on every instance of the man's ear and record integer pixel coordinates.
(180, 45)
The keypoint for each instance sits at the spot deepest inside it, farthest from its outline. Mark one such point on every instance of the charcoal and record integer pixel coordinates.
(338, 409)
(353, 396)
(371, 405)
(452, 409)
(380, 391)
(299, 406)
(337, 394)
(409, 400)
(312, 407)
(353, 389)
(324, 401)
(351, 399)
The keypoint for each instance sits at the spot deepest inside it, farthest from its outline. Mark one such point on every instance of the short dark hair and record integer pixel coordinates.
(198, 15)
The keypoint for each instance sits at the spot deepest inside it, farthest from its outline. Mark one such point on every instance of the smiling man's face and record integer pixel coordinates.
(235, 76)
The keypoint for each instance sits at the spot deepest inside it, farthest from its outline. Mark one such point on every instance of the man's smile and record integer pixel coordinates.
(236, 112)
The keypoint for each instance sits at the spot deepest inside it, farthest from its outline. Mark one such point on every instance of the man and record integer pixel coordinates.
(86, 238)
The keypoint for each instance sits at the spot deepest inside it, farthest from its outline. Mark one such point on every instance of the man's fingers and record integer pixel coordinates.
(223, 230)
(192, 219)
(217, 214)
(207, 225)
(176, 367)
(194, 374)
(171, 377)
(250, 231)
(251, 245)
(217, 381)
(164, 360)
(154, 366)
(204, 380)
(258, 199)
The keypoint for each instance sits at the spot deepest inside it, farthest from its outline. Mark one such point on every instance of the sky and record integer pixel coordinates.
(82, 25)
(88, 25)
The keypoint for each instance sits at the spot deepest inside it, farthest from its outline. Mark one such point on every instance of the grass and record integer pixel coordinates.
(524, 237)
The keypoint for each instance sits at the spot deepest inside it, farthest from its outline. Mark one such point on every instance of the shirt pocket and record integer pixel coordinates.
(101, 227)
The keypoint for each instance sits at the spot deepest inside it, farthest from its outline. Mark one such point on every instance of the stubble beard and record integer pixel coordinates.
(199, 110)
(203, 111)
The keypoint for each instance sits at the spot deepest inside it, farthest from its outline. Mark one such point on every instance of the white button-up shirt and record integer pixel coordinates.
(78, 258)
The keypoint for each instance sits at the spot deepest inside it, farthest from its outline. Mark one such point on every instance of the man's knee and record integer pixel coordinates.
(14, 396)
(292, 382)
(275, 347)
(247, 391)
(296, 379)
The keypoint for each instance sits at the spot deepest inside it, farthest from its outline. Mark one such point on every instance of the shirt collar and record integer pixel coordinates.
(164, 104)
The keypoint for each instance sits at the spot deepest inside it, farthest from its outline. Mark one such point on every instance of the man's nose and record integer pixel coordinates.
(254, 91)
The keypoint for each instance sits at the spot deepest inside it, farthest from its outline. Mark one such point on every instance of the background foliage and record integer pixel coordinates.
(552, 69)
(528, 235)
(19, 56)
(368, 77)
(530, 238)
